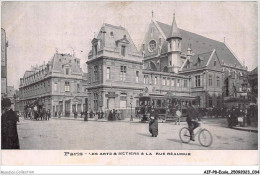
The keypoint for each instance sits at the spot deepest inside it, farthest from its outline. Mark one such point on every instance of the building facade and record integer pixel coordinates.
(206, 62)
(4, 45)
(169, 60)
(60, 85)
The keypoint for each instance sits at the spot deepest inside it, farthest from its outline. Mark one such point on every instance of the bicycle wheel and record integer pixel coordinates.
(184, 135)
(205, 138)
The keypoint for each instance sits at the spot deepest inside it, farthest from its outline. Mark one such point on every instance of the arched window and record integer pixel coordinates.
(153, 66)
(165, 69)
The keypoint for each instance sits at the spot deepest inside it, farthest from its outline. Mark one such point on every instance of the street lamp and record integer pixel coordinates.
(244, 89)
(131, 101)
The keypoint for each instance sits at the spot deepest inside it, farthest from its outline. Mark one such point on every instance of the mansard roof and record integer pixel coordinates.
(110, 35)
(200, 44)
(59, 60)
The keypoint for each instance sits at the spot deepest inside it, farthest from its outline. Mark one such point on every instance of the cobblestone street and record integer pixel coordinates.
(58, 134)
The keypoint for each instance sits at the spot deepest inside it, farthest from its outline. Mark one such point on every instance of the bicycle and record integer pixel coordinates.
(204, 136)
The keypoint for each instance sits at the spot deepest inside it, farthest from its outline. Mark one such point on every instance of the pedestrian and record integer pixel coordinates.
(86, 116)
(178, 116)
(91, 114)
(110, 115)
(98, 114)
(9, 136)
(48, 115)
(102, 114)
(153, 124)
(114, 114)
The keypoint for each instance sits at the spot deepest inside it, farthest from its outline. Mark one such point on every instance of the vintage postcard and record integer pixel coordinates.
(129, 83)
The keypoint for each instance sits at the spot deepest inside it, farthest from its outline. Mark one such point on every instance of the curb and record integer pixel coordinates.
(244, 129)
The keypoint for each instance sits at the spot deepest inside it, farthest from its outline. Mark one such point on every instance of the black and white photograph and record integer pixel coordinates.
(129, 75)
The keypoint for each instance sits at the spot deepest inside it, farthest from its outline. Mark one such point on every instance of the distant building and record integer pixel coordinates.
(60, 85)
(11, 95)
(171, 60)
(4, 45)
(253, 82)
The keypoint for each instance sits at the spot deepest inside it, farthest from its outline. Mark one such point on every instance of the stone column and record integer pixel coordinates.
(71, 114)
(63, 108)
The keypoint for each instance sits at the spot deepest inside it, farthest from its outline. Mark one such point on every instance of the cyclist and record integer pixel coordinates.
(192, 119)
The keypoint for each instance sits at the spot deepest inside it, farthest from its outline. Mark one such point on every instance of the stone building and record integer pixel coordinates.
(114, 69)
(4, 45)
(206, 62)
(11, 95)
(170, 60)
(60, 85)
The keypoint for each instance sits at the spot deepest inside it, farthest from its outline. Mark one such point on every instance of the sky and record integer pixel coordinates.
(35, 29)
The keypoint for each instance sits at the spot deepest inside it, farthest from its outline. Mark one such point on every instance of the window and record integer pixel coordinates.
(67, 86)
(108, 73)
(215, 63)
(172, 83)
(218, 81)
(146, 79)
(152, 46)
(178, 83)
(185, 83)
(155, 80)
(163, 81)
(123, 73)
(95, 50)
(78, 87)
(197, 81)
(137, 77)
(95, 101)
(199, 62)
(55, 87)
(188, 65)
(95, 73)
(210, 80)
(218, 101)
(111, 34)
(210, 101)
(168, 82)
(123, 50)
(67, 71)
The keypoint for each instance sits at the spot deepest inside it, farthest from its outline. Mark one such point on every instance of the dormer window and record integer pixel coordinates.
(123, 50)
(67, 71)
(188, 64)
(95, 50)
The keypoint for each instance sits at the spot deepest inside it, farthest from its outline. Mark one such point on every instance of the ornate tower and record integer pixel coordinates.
(174, 48)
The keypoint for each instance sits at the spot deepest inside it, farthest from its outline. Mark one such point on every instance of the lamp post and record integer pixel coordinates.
(244, 89)
(131, 101)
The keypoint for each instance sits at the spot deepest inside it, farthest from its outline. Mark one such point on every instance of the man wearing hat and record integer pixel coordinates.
(153, 124)
(9, 137)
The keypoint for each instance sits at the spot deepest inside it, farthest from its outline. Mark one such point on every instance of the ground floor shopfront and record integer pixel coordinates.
(68, 106)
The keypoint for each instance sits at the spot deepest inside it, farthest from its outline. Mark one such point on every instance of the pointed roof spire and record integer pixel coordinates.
(175, 32)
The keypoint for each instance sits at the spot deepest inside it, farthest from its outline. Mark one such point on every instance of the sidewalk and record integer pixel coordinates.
(95, 119)
(246, 128)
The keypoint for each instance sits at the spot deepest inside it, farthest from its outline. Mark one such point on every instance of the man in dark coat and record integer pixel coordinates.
(153, 124)
(193, 116)
(9, 136)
